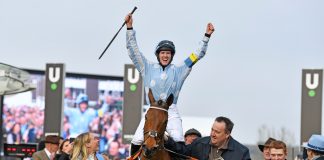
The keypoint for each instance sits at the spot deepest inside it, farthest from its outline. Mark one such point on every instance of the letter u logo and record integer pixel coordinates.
(54, 76)
(309, 78)
(133, 79)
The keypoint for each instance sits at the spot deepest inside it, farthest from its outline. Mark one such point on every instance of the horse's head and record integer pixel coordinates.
(156, 120)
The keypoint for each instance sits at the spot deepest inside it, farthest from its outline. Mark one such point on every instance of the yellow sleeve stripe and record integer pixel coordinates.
(193, 57)
(191, 60)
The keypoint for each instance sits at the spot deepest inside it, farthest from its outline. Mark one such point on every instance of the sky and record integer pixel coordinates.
(251, 73)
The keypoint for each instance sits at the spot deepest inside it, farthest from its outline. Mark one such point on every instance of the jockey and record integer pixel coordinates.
(163, 78)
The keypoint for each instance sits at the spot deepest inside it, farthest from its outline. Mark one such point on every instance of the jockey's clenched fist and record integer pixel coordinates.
(210, 29)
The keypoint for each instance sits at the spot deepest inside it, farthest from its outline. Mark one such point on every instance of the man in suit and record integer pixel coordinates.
(219, 145)
(51, 147)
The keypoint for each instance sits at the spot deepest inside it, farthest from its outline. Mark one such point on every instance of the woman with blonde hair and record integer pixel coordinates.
(85, 147)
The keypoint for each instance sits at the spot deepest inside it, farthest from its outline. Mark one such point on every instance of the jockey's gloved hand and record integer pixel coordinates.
(165, 137)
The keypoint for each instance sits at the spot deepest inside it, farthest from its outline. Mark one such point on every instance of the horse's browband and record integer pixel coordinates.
(159, 108)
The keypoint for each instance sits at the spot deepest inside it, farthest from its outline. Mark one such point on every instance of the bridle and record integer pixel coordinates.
(158, 137)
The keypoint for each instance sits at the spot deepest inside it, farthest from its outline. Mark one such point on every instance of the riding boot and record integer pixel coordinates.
(134, 149)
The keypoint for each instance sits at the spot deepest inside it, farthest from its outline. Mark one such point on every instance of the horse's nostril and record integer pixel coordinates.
(148, 153)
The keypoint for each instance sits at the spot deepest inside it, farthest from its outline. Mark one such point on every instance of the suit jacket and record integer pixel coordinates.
(200, 149)
(40, 155)
(320, 158)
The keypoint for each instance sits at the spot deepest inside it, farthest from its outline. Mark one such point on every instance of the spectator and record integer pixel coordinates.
(278, 150)
(191, 135)
(113, 151)
(163, 77)
(68, 98)
(30, 134)
(23, 123)
(61, 141)
(51, 147)
(108, 103)
(94, 126)
(41, 145)
(315, 147)
(123, 148)
(65, 150)
(66, 127)
(219, 145)
(14, 135)
(85, 147)
(265, 148)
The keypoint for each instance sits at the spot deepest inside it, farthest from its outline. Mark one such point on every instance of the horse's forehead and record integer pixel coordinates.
(156, 112)
(156, 109)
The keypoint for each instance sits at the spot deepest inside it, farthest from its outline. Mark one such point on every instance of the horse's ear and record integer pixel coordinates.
(151, 97)
(170, 100)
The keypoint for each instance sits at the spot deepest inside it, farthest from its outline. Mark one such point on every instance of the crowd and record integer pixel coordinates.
(219, 145)
(103, 119)
(274, 149)
(84, 147)
(25, 123)
(22, 124)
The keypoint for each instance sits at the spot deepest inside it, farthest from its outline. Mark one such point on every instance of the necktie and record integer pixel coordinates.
(52, 156)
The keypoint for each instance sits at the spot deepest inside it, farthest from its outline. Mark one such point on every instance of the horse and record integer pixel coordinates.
(156, 120)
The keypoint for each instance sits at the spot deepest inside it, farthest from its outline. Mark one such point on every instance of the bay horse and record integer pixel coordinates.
(156, 120)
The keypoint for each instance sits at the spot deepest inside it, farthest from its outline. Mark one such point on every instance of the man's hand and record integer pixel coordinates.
(129, 20)
(210, 29)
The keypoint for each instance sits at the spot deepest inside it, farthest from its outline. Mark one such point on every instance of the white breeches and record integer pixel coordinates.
(174, 127)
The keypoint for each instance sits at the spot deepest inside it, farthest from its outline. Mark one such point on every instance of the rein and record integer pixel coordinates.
(180, 155)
